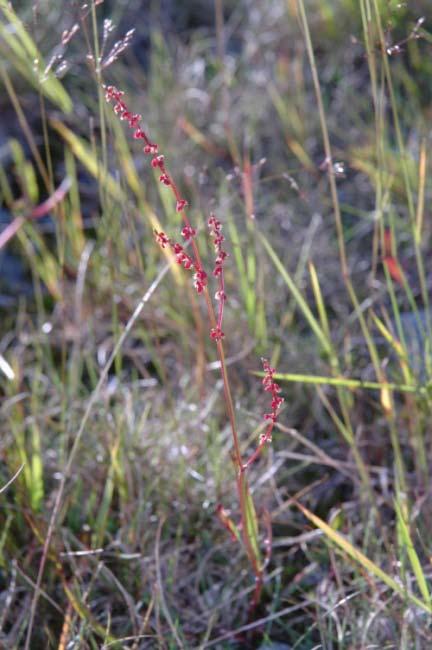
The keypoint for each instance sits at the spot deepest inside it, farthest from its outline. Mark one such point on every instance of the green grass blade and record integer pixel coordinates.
(37, 484)
(22, 52)
(250, 523)
(412, 554)
(300, 300)
(343, 382)
(362, 559)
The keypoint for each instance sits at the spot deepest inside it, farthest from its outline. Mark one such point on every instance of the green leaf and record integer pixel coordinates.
(250, 524)
(342, 382)
(412, 554)
(298, 297)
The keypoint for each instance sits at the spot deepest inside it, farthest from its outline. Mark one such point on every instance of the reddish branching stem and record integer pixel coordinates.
(270, 386)
(200, 280)
(133, 119)
(112, 94)
(215, 228)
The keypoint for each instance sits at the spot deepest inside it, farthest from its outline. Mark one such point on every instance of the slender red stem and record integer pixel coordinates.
(216, 321)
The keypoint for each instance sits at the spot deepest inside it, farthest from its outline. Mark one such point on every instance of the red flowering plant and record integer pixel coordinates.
(247, 530)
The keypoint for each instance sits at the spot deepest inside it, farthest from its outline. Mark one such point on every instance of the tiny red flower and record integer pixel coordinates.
(187, 262)
(150, 148)
(158, 162)
(188, 232)
(220, 295)
(216, 334)
(200, 280)
(134, 121)
(162, 239)
(165, 179)
(181, 204)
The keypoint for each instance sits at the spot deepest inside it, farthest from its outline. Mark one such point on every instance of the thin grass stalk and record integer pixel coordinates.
(343, 397)
(335, 200)
(366, 16)
(399, 462)
(405, 172)
(417, 228)
(333, 190)
(379, 108)
(98, 73)
(25, 127)
(326, 139)
(321, 334)
(416, 221)
(229, 133)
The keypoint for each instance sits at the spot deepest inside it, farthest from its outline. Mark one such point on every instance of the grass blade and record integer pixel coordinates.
(362, 559)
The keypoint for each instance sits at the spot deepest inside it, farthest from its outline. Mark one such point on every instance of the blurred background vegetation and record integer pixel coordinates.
(137, 557)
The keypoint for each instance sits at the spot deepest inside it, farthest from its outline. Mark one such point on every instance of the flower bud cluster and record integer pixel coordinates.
(188, 232)
(200, 280)
(270, 386)
(112, 94)
(215, 228)
(182, 258)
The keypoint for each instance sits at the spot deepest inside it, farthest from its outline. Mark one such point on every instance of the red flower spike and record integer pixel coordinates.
(270, 386)
(270, 418)
(215, 228)
(112, 94)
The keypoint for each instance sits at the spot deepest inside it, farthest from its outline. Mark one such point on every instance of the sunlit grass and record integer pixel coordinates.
(305, 130)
